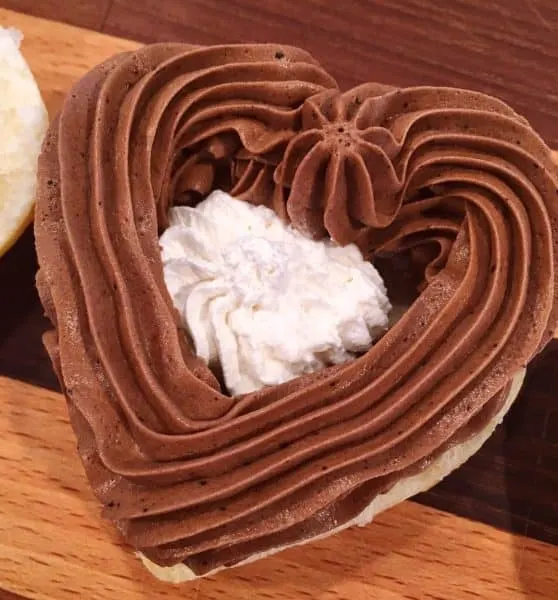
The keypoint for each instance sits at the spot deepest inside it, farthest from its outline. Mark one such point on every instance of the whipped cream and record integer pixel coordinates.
(261, 300)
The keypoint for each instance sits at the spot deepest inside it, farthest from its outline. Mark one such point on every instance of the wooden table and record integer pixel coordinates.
(54, 545)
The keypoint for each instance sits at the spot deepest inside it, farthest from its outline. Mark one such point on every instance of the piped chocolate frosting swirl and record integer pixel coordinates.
(449, 185)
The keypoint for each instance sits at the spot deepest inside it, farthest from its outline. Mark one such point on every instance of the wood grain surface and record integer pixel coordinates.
(84, 13)
(53, 544)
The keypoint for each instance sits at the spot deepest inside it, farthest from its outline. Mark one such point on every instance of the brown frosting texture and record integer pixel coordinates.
(448, 184)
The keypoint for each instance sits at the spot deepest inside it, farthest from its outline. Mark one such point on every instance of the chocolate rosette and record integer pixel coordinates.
(453, 183)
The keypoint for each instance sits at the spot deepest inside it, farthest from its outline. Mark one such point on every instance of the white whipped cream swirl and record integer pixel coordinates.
(264, 302)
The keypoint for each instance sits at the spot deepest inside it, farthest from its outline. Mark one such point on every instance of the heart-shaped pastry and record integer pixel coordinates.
(448, 188)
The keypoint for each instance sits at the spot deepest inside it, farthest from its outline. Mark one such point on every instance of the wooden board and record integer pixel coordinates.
(54, 545)
(84, 13)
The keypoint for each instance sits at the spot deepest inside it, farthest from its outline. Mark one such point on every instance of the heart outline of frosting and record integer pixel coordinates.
(454, 179)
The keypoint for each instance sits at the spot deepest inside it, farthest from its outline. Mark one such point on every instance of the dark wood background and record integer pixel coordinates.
(508, 48)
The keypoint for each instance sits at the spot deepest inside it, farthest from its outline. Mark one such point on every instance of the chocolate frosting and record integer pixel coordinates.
(451, 183)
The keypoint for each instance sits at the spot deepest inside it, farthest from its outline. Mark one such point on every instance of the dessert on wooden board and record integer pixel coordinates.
(449, 193)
